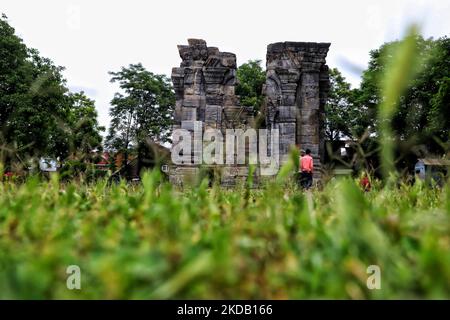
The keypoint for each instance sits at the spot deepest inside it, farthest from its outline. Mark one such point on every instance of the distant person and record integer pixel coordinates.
(7, 176)
(365, 183)
(307, 167)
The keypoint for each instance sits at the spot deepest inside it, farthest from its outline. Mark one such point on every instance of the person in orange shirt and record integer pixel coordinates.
(299, 175)
(307, 167)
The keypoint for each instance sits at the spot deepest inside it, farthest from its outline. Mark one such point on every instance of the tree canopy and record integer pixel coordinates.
(36, 108)
(251, 78)
(423, 113)
(142, 110)
(343, 118)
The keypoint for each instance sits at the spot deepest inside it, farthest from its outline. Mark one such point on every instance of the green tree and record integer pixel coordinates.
(144, 109)
(422, 115)
(84, 128)
(439, 115)
(35, 104)
(251, 78)
(342, 117)
(13, 70)
(32, 96)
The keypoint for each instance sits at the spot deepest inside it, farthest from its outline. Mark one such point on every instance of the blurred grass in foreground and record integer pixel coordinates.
(399, 72)
(152, 241)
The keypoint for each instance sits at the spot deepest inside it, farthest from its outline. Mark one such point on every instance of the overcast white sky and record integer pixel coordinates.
(92, 37)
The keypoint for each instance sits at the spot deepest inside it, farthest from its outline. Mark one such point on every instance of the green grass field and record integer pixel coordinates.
(152, 241)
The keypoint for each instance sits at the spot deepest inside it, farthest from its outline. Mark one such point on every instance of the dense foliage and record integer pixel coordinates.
(422, 117)
(343, 119)
(251, 78)
(38, 114)
(144, 110)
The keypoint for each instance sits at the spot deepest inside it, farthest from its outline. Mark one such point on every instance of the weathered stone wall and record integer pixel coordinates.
(296, 89)
(205, 91)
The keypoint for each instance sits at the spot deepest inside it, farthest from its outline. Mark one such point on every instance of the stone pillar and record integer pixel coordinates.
(204, 86)
(296, 89)
(309, 105)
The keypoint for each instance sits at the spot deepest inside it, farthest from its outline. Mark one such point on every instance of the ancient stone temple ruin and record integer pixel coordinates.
(205, 92)
(295, 90)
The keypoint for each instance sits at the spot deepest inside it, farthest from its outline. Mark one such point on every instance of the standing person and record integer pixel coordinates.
(300, 177)
(365, 183)
(307, 167)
